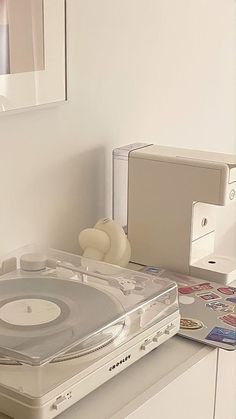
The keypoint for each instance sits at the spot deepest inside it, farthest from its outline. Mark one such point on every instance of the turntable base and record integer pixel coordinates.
(74, 389)
(73, 325)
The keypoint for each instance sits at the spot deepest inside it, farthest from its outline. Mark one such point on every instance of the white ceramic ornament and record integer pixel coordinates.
(106, 242)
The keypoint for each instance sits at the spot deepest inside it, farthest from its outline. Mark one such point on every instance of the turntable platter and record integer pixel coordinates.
(90, 345)
(43, 318)
(93, 344)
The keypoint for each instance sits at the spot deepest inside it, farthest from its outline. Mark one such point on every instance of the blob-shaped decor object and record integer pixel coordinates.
(106, 242)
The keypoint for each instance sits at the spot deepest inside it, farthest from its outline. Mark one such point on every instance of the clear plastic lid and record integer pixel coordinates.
(72, 302)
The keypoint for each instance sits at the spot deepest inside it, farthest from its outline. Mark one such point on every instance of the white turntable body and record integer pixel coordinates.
(68, 324)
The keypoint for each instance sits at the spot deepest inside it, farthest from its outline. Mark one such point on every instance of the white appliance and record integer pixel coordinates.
(68, 324)
(169, 207)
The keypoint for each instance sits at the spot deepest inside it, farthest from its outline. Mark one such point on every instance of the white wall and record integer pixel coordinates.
(160, 70)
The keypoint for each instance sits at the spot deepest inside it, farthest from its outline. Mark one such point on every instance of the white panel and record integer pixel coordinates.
(203, 219)
(189, 396)
(226, 386)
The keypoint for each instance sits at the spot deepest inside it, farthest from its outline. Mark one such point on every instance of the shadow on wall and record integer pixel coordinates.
(84, 198)
(54, 207)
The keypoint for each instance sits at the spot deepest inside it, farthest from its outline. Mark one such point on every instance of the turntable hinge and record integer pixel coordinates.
(8, 265)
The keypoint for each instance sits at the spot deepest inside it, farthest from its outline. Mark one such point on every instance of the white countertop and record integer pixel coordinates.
(139, 382)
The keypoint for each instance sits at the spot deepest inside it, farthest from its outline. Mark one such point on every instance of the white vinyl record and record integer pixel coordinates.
(43, 317)
(29, 312)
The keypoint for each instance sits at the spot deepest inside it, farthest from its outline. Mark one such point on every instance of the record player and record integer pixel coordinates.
(68, 324)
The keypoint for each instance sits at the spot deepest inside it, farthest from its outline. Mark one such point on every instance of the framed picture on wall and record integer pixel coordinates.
(32, 53)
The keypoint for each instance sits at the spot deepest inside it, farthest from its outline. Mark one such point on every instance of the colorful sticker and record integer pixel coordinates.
(209, 296)
(193, 324)
(220, 306)
(185, 299)
(231, 299)
(184, 279)
(152, 270)
(229, 319)
(227, 290)
(195, 288)
(220, 334)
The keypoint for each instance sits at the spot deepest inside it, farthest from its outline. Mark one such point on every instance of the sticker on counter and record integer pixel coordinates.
(220, 306)
(222, 335)
(227, 290)
(185, 299)
(230, 319)
(200, 287)
(192, 324)
(231, 300)
(186, 280)
(209, 296)
(152, 270)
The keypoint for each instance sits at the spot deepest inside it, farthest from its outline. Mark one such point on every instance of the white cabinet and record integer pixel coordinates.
(226, 386)
(191, 395)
